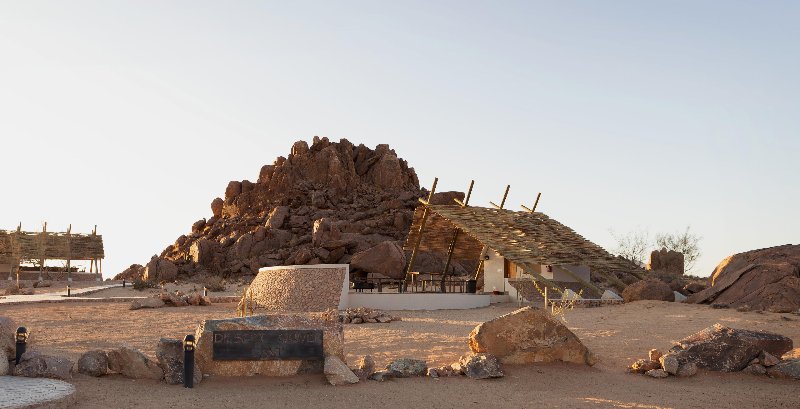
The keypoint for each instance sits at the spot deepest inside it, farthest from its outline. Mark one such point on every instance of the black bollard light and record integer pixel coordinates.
(123, 283)
(188, 361)
(69, 291)
(22, 343)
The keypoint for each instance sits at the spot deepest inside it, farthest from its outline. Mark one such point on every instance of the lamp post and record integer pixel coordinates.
(22, 343)
(188, 361)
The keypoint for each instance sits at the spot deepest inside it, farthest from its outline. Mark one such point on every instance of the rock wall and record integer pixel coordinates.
(298, 288)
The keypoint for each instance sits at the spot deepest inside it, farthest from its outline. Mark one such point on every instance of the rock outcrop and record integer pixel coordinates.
(720, 348)
(322, 203)
(386, 258)
(766, 279)
(528, 335)
(666, 261)
(649, 289)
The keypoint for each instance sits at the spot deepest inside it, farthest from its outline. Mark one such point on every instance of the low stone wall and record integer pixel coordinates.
(299, 288)
(328, 322)
(50, 276)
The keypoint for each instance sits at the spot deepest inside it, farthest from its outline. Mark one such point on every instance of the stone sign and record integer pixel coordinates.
(282, 344)
(255, 345)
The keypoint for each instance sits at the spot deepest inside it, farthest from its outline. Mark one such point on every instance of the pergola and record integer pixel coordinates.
(526, 238)
(17, 247)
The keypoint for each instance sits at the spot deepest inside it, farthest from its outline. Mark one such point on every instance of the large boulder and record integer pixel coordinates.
(216, 207)
(666, 261)
(720, 348)
(159, 269)
(447, 198)
(93, 363)
(202, 252)
(169, 353)
(277, 217)
(337, 372)
(407, 367)
(132, 363)
(386, 258)
(149, 302)
(529, 335)
(649, 289)
(8, 329)
(36, 365)
(480, 366)
(789, 369)
(4, 366)
(765, 279)
(132, 273)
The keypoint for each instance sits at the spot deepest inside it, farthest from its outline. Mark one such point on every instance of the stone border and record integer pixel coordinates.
(39, 393)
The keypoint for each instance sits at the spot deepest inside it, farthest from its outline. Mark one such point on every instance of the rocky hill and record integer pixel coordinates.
(320, 204)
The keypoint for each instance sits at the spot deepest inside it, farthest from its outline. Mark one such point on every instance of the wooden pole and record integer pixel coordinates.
(456, 232)
(422, 222)
(43, 250)
(69, 254)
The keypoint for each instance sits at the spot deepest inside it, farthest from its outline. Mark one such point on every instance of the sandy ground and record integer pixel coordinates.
(617, 334)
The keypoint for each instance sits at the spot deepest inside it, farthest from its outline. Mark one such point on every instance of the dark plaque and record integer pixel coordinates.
(265, 345)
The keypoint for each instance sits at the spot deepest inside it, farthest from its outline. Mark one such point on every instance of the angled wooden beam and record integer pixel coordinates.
(533, 209)
(425, 213)
(456, 232)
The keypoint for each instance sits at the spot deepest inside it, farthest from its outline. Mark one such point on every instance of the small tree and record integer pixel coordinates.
(685, 242)
(634, 246)
(637, 245)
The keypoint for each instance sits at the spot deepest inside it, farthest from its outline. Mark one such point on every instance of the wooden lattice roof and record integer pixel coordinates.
(21, 245)
(522, 237)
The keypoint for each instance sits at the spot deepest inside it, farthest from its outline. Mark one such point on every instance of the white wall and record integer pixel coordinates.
(581, 271)
(493, 272)
(419, 301)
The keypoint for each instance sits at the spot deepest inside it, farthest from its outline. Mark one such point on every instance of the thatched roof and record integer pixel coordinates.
(522, 237)
(21, 245)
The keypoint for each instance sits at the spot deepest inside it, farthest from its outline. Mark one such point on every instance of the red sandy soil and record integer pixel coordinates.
(617, 334)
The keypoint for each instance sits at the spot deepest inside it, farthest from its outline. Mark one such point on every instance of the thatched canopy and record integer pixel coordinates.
(21, 245)
(522, 237)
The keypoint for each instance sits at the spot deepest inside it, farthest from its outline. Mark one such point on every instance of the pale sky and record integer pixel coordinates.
(134, 115)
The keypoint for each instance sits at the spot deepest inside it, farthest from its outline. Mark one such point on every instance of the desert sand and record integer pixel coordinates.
(617, 334)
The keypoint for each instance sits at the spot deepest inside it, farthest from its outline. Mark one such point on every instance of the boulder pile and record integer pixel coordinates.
(723, 349)
(322, 203)
(766, 279)
(471, 365)
(363, 315)
(168, 299)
